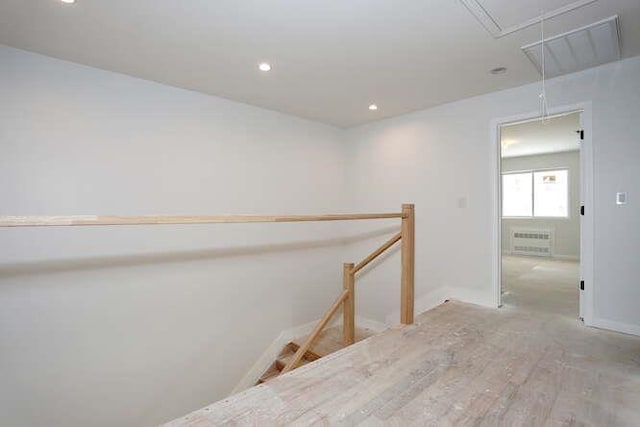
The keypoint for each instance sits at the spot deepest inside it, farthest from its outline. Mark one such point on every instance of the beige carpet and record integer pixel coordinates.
(541, 284)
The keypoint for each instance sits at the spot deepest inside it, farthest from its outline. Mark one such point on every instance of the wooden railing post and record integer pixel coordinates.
(349, 305)
(408, 264)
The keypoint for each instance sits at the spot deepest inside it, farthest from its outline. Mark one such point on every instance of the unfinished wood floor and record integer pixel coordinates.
(541, 284)
(460, 364)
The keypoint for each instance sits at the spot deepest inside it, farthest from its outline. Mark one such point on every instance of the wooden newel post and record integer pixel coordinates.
(408, 264)
(349, 305)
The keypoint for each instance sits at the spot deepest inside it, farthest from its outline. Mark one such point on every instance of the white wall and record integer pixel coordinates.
(132, 326)
(566, 231)
(442, 159)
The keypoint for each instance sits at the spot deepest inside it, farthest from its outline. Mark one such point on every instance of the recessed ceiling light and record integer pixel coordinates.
(264, 66)
(373, 107)
(499, 70)
(68, 1)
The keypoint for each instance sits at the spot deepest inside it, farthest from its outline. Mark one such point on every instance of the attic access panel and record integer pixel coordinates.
(503, 17)
(509, 13)
(576, 50)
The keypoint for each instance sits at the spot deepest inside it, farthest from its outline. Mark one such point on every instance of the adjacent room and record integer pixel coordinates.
(319, 212)
(541, 193)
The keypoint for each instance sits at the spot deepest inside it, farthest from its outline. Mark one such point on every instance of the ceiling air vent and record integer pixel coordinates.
(579, 49)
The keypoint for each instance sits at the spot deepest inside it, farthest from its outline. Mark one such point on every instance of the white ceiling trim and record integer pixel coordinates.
(539, 119)
(493, 27)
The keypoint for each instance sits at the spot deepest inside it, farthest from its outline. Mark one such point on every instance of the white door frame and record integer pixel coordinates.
(587, 297)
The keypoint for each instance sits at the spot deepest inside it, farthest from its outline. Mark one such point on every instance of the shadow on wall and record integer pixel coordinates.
(380, 260)
(96, 263)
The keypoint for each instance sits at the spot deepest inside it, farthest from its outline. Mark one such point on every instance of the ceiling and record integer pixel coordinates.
(554, 135)
(330, 58)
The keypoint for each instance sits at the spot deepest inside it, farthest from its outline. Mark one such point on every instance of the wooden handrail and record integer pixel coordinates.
(377, 252)
(88, 220)
(349, 273)
(346, 298)
(297, 357)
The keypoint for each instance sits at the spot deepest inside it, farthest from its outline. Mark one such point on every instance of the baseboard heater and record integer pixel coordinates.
(527, 241)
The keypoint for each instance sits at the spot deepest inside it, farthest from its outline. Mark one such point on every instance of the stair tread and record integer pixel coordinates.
(309, 355)
(330, 340)
(282, 361)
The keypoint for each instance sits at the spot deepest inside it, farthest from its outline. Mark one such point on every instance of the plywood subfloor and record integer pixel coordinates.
(460, 364)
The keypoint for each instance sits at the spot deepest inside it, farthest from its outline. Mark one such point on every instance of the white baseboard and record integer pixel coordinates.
(611, 325)
(372, 325)
(472, 296)
(553, 256)
(438, 296)
(567, 257)
(422, 304)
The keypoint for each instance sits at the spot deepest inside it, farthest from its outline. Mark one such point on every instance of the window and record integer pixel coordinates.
(517, 194)
(551, 193)
(536, 194)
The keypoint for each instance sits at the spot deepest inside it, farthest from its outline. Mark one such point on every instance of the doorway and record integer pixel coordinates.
(541, 194)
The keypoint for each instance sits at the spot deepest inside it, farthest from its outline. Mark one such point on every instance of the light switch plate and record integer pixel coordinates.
(621, 198)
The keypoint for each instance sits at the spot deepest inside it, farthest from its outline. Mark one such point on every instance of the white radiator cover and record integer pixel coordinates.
(530, 241)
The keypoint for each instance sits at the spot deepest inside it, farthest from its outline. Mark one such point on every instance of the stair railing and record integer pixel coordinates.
(346, 298)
